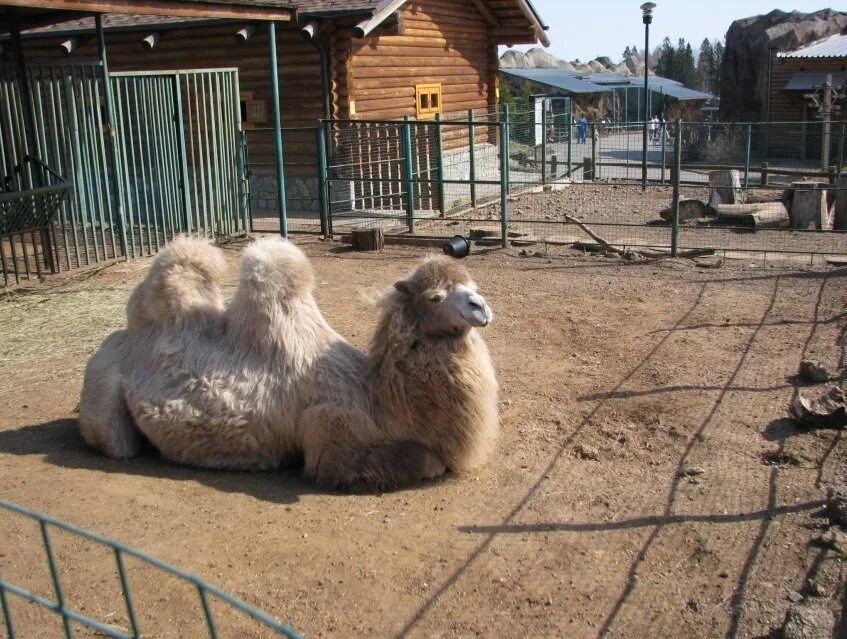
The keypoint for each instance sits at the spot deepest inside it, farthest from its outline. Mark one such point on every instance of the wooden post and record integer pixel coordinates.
(594, 152)
(765, 176)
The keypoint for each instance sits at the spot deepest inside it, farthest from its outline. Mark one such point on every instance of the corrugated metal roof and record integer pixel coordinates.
(809, 81)
(558, 79)
(584, 83)
(832, 47)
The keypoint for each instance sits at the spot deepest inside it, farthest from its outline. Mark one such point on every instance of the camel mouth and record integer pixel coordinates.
(480, 317)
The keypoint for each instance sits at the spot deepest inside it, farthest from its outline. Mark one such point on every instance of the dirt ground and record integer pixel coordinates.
(647, 482)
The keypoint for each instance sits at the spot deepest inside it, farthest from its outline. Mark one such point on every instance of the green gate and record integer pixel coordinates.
(179, 156)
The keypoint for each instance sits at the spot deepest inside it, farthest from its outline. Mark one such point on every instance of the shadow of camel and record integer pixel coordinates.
(62, 445)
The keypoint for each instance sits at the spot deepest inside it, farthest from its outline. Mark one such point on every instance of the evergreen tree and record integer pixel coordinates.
(705, 66)
(718, 51)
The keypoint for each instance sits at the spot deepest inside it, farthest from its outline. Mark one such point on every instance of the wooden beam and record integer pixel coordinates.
(485, 12)
(161, 7)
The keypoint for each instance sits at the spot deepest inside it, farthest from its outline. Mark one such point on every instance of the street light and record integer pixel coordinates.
(647, 18)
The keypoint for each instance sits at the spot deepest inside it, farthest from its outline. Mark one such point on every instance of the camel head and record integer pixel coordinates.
(443, 299)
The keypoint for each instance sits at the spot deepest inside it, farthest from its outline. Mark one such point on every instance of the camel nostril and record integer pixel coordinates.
(476, 304)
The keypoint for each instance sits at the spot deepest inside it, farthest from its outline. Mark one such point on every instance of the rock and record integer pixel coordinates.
(794, 596)
(827, 410)
(813, 371)
(749, 46)
(583, 451)
(833, 539)
(692, 471)
(813, 588)
(688, 210)
(836, 504)
(808, 622)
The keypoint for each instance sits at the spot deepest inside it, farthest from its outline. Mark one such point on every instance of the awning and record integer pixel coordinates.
(809, 81)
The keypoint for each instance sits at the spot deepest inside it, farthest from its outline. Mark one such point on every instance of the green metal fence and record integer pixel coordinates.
(533, 176)
(149, 156)
(59, 604)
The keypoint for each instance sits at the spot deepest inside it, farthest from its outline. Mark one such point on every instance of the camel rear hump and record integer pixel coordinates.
(273, 270)
(183, 285)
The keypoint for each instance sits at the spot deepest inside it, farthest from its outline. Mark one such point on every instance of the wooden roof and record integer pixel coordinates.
(35, 13)
(510, 21)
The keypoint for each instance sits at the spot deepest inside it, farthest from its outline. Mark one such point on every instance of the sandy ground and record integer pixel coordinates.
(647, 483)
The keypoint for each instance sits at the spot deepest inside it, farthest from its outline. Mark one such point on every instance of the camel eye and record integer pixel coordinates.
(437, 298)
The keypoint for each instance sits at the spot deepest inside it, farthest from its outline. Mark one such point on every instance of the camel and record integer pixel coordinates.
(265, 382)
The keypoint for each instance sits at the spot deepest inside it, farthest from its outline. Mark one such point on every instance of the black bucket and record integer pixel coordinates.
(457, 247)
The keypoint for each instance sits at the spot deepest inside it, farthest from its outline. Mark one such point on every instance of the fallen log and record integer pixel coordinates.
(761, 215)
(688, 210)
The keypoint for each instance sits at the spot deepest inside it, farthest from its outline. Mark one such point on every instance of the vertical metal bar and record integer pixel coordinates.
(98, 148)
(3, 265)
(26, 97)
(150, 173)
(472, 150)
(595, 170)
(664, 149)
(243, 184)
(677, 150)
(54, 574)
(504, 178)
(278, 146)
(163, 157)
(166, 101)
(205, 159)
(747, 158)
(841, 150)
(130, 608)
(439, 142)
(77, 221)
(183, 157)
(570, 142)
(207, 611)
(126, 129)
(215, 177)
(4, 603)
(113, 137)
(322, 176)
(62, 161)
(410, 178)
(544, 141)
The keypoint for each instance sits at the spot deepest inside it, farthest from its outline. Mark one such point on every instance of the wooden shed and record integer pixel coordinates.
(361, 60)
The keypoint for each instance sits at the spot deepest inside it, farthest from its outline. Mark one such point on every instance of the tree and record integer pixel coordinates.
(718, 51)
(705, 66)
(627, 53)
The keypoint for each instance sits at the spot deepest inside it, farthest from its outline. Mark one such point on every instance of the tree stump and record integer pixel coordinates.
(809, 208)
(725, 188)
(368, 239)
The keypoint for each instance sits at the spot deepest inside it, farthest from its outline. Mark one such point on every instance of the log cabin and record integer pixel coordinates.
(360, 60)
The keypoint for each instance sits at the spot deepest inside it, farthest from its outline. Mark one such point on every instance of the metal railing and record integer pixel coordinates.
(205, 590)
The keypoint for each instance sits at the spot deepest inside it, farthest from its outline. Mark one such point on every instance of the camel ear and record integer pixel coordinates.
(404, 287)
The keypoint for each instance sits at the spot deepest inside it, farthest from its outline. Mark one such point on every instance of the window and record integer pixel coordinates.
(253, 112)
(428, 97)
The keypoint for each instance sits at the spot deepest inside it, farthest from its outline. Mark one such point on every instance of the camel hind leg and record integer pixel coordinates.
(104, 419)
(343, 449)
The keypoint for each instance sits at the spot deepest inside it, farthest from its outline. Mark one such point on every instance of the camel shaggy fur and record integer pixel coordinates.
(266, 382)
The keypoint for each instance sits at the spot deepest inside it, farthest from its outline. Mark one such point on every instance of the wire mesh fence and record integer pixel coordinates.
(209, 613)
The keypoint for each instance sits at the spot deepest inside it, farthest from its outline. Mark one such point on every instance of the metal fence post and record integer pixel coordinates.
(320, 141)
(472, 149)
(439, 142)
(570, 136)
(277, 123)
(410, 178)
(113, 136)
(677, 160)
(504, 179)
(595, 172)
(747, 158)
(664, 149)
(183, 157)
(841, 150)
(544, 141)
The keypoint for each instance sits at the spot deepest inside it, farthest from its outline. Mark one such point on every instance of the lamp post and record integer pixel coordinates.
(647, 18)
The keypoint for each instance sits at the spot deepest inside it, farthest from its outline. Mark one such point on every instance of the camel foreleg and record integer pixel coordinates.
(344, 450)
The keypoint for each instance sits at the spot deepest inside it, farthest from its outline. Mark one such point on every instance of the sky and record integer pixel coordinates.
(593, 28)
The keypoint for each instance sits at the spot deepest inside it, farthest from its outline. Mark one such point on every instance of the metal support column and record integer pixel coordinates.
(278, 147)
(504, 179)
(439, 141)
(677, 160)
(323, 191)
(113, 134)
(410, 177)
(544, 141)
(472, 149)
